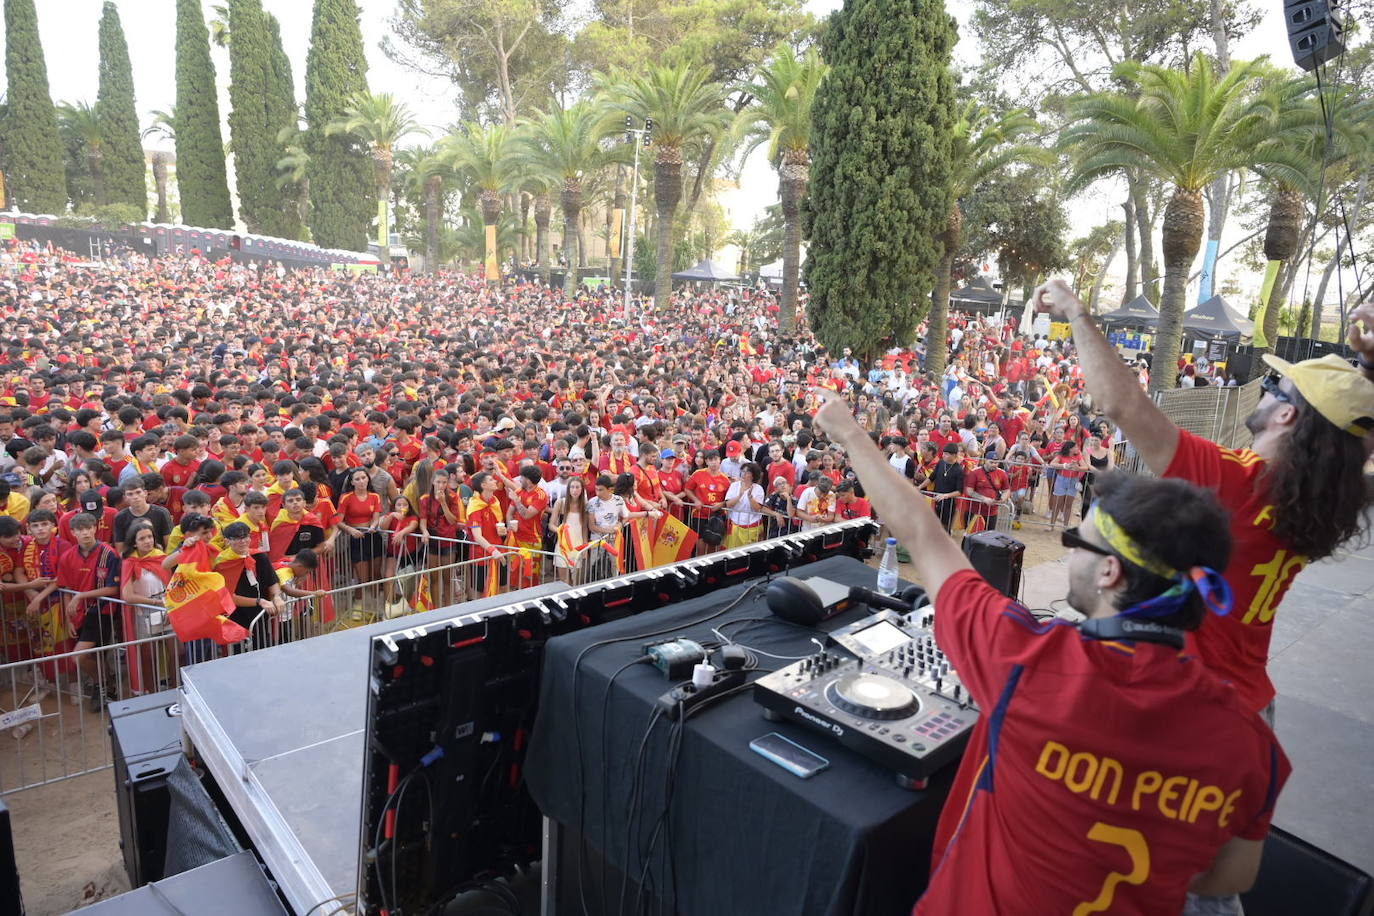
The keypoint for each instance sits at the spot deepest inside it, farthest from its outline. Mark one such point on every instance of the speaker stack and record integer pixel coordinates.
(998, 558)
(1316, 31)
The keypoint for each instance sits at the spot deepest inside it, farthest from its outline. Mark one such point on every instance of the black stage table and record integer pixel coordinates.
(747, 837)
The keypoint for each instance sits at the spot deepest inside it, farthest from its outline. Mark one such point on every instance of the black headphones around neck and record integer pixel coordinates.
(1136, 630)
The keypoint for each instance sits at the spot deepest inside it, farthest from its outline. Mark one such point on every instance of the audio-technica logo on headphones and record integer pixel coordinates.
(835, 727)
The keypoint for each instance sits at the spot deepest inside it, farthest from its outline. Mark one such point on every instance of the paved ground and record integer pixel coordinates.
(1320, 662)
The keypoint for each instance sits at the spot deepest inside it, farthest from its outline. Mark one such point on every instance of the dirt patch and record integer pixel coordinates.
(66, 841)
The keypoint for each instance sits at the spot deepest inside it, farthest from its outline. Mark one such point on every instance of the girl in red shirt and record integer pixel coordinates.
(360, 510)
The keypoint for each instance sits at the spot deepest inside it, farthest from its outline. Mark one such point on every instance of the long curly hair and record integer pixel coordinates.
(1316, 485)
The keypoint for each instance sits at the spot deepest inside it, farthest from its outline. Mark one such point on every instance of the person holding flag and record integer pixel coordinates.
(198, 603)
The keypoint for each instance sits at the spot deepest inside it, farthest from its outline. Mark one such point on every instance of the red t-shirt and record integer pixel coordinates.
(1094, 752)
(707, 487)
(358, 512)
(942, 439)
(529, 530)
(176, 474)
(1236, 646)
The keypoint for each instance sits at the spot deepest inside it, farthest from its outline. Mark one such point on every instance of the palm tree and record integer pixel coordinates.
(381, 122)
(746, 240)
(1186, 128)
(427, 171)
(1291, 154)
(780, 116)
(487, 155)
(81, 126)
(985, 143)
(568, 143)
(293, 169)
(219, 26)
(687, 111)
(163, 127)
(471, 236)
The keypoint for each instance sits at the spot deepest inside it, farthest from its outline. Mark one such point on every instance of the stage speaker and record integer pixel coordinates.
(997, 557)
(1316, 31)
(10, 899)
(145, 737)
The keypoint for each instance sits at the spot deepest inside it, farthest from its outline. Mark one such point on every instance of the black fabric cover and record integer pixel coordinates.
(196, 833)
(748, 837)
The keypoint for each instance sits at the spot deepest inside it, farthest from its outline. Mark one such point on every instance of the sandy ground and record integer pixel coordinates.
(67, 833)
(66, 840)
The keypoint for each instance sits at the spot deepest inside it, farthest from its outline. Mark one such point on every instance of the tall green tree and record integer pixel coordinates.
(201, 177)
(780, 116)
(341, 200)
(985, 143)
(252, 136)
(1184, 127)
(688, 112)
(488, 157)
(380, 123)
(428, 170)
(282, 115)
(568, 143)
(125, 171)
(881, 171)
(36, 181)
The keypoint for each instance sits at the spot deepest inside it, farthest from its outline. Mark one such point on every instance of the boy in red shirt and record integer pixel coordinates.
(706, 488)
(1096, 743)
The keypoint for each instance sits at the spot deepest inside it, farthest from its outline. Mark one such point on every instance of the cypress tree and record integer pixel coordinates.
(253, 139)
(201, 176)
(37, 179)
(125, 175)
(340, 171)
(882, 124)
(281, 113)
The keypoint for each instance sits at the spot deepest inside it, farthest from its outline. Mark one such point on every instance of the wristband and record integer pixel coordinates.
(1364, 363)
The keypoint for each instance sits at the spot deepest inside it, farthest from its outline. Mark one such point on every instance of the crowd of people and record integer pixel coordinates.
(297, 430)
(351, 423)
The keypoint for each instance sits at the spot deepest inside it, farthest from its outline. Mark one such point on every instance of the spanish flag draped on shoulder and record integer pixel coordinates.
(198, 603)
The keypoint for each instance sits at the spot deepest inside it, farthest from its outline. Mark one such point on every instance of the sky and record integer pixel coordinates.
(68, 29)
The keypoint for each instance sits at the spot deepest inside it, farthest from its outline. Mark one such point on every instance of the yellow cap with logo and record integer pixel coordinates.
(1337, 390)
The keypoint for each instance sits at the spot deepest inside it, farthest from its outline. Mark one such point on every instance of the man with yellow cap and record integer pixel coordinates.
(1294, 496)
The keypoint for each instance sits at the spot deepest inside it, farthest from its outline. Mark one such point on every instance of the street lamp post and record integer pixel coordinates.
(634, 135)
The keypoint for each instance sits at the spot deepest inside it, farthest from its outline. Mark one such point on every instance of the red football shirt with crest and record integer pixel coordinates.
(1127, 763)
(1236, 646)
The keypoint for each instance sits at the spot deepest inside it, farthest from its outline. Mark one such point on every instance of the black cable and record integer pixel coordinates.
(636, 793)
(577, 664)
(605, 787)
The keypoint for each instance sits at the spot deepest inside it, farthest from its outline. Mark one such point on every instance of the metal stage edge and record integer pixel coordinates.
(282, 732)
(267, 799)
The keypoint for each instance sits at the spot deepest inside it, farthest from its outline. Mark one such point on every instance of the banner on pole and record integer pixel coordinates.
(617, 228)
(493, 269)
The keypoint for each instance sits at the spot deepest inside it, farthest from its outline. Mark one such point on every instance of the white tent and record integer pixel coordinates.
(771, 271)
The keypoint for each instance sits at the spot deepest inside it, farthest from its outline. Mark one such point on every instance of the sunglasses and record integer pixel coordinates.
(1270, 383)
(1070, 537)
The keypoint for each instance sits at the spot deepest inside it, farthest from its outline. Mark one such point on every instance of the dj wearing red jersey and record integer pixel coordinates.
(1096, 748)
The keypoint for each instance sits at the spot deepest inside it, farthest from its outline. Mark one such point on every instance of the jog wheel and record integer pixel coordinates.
(872, 696)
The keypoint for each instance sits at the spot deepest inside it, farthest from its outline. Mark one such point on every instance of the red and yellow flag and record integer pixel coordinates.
(675, 542)
(198, 604)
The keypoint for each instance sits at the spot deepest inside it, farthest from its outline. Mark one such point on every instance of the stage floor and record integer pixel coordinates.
(1321, 664)
(281, 730)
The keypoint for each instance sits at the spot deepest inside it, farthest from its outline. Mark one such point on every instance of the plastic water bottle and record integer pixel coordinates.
(887, 569)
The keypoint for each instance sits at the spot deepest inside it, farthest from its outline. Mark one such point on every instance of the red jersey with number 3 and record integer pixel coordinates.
(1100, 756)
(1236, 646)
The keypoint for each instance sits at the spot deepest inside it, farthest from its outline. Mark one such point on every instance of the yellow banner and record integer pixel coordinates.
(383, 230)
(493, 268)
(617, 225)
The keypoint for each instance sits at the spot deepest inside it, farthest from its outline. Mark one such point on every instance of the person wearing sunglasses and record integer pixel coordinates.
(1294, 496)
(1083, 726)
